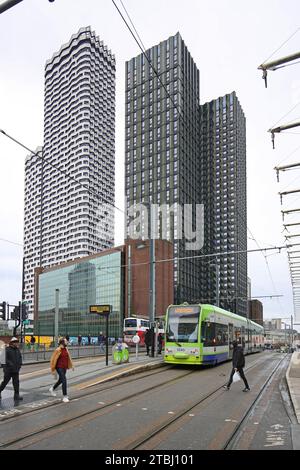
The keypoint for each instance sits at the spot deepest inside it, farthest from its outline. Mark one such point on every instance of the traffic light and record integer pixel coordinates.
(24, 311)
(3, 310)
(15, 313)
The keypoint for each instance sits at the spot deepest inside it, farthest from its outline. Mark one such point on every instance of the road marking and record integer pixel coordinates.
(171, 412)
(101, 403)
(145, 409)
(191, 416)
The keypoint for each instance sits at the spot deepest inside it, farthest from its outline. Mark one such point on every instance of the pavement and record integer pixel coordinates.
(293, 381)
(88, 372)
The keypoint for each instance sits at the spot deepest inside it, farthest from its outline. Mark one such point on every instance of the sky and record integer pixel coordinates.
(228, 39)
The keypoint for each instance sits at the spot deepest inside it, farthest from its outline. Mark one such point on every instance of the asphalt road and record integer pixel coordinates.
(124, 413)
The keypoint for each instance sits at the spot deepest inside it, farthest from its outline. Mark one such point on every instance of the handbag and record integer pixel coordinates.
(236, 377)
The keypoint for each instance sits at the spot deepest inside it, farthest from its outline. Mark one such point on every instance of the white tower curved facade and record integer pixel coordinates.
(76, 216)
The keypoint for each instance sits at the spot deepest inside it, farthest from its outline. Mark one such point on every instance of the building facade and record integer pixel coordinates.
(137, 277)
(118, 277)
(255, 308)
(32, 221)
(223, 192)
(162, 145)
(75, 215)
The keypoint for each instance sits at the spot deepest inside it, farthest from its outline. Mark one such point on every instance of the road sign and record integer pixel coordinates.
(25, 322)
(100, 309)
(136, 339)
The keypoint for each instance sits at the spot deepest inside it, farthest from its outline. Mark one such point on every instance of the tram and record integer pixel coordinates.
(203, 334)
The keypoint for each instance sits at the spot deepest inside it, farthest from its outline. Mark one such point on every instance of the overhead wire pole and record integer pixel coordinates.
(285, 127)
(286, 168)
(277, 64)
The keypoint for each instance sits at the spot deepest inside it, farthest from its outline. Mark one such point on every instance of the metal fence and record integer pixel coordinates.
(41, 352)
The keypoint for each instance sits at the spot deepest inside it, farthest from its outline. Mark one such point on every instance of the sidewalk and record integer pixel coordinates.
(34, 386)
(293, 381)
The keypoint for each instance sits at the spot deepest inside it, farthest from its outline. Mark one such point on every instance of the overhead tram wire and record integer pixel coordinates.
(71, 178)
(13, 243)
(283, 44)
(147, 58)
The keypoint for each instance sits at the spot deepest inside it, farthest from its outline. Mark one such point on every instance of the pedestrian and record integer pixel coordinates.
(238, 363)
(79, 340)
(67, 338)
(12, 368)
(101, 341)
(159, 342)
(89, 339)
(60, 362)
(148, 340)
(32, 342)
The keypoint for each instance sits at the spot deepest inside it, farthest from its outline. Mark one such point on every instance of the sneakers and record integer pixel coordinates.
(226, 387)
(65, 399)
(51, 390)
(246, 389)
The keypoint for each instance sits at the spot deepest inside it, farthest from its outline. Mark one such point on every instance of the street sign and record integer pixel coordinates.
(136, 339)
(25, 322)
(100, 309)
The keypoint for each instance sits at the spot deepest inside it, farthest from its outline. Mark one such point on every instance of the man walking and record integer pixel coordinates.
(12, 368)
(238, 363)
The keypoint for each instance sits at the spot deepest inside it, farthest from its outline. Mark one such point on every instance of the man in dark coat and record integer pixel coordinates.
(12, 367)
(148, 339)
(238, 363)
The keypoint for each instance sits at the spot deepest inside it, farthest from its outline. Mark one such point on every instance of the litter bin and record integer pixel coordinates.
(120, 352)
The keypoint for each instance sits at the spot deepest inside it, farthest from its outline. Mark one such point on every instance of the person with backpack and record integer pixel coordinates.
(238, 364)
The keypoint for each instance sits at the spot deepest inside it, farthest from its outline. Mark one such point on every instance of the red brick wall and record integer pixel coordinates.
(140, 270)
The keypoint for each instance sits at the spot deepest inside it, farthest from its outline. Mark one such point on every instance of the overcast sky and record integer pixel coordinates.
(227, 40)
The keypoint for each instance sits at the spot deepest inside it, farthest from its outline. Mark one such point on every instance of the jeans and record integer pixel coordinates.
(62, 380)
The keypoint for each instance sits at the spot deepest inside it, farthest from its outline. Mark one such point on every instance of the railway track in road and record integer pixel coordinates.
(228, 445)
(41, 431)
(142, 442)
(76, 418)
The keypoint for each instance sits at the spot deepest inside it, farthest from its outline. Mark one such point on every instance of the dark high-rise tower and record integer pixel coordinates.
(223, 191)
(162, 143)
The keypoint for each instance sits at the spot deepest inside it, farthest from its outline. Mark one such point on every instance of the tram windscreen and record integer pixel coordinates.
(183, 324)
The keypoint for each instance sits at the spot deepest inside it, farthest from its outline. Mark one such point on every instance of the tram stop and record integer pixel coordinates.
(120, 353)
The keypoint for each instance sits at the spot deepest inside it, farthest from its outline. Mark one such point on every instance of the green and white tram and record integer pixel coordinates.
(203, 334)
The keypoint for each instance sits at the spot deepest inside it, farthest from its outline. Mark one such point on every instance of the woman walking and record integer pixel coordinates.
(60, 362)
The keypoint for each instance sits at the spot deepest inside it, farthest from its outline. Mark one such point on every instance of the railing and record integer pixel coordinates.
(41, 352)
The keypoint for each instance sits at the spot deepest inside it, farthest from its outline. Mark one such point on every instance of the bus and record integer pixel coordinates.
(203, 334)
(134, 325)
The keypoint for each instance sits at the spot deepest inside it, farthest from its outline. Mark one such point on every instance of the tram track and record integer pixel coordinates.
(40, 434)
(142, 440)
(228, 445)
(86, 414)
(117, 382)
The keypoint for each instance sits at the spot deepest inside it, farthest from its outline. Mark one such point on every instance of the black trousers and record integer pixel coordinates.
(61, 380)
(15, 380)
(241, 372)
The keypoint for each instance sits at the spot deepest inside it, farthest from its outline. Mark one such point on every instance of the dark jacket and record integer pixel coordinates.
(149, 337)
(238, 358)
(13, 359)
